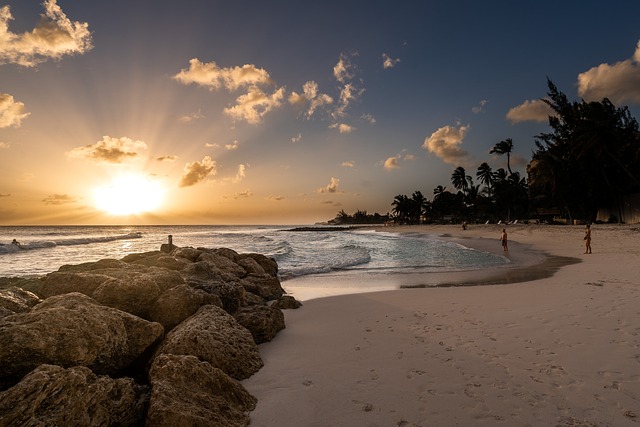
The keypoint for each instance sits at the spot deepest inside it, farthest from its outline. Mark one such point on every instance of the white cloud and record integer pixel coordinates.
(253, 106)
(310, 99)
(53, 37)
(11, 112)
(619, 82)
(342, 127)
(213, 77)
(368, 118)
(188, 118)
(445, 144)
(332, 187)
(349, 164)
(391, 163)
(110, 150)
(388, 62)
(233, 146)
(196, 172)
(297, 138)
(534, 110)
(343, 70)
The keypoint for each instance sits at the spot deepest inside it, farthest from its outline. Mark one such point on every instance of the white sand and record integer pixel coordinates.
(560, 351)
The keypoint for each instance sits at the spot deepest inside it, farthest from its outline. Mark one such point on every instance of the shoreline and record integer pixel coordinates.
(562, 350)
(527, 264)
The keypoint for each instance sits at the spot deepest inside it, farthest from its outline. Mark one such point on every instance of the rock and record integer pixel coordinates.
(53, 396)
(179, 303)
(232, 294)
(214, 336)
(251, 266)
(286, 302)
(70, 330)
(134, 296)
(263, 321)
(269, 265)
(190, 254)
(61, 282)
(267, 287)
(188, 392)
(18, 300)
(201, 271)
(226, 252)
(135, 258)
(102, 264)
(253, 299)
(222, 264)
(165, 278)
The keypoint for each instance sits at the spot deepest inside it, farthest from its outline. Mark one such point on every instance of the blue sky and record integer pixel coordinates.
(283, 111)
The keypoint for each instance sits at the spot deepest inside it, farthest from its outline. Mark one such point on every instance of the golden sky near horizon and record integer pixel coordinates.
(272, 113)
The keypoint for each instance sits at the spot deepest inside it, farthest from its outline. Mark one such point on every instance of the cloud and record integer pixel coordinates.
(11, 112)
(388, 62)
(4, 145)
(331, 188)
(167, 158)
(188, 118)
(110, 150)
(534, 110)
(619, 82)
(310, 99)
(53, 37)
(213, 77)
(368, 118)
(243, 194)
(391, 163)
(349, 164)
(342, 127)
(297, 138)
(343, 70)
(5, 195)
(59, 199)
(254, 105)
(275, 198)
(480, 107)
(232, 146)
(195, 172)
(445, 144)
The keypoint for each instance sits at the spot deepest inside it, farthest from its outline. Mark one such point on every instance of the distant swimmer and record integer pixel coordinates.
(15, 242)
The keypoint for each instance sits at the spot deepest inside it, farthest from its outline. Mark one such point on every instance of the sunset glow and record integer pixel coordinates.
(129, 194)
(274, 113)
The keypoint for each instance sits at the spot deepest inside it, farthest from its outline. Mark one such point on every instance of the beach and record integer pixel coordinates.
(561, 349)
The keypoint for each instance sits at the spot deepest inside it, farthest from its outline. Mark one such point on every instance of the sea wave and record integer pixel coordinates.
(9, 248)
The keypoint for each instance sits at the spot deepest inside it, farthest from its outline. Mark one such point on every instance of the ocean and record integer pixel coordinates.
(299, 251)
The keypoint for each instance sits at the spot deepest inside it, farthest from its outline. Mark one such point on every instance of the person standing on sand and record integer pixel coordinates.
(587, 239)
(503, 238)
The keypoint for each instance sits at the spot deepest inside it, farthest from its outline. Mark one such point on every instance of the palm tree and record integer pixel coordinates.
(461, 180)
(402, 207)
(504, 147)
(485, 175)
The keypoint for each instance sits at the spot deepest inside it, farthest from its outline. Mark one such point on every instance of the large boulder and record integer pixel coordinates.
(269, 265)
(62, 282)
(263, 321)
(222, 264)
(103, 264)
(165, 278)
(54, 396)
(18, 300)
(134, 296)
(265, 286)
(179, 303)
(70, 330)
(188, 392)
(214, 336)
(232, 294)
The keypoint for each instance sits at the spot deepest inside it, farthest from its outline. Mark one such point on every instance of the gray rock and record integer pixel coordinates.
(70, 330)
(267, 287)
(222, 264)
(232, 294)
(165, 278)
(187, 253)
(263, 321)
(179, 303)
(53, 396)
(214, 336)
(269, 265)
(188, 392)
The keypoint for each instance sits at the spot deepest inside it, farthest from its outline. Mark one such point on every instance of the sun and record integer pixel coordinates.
(129, 194)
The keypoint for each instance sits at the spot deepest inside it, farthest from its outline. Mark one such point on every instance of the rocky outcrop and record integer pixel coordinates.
(54, 396)
(73, 330)
(150, 339)
(187, 391)
(263, 321)
(286, 302)
(214, 336)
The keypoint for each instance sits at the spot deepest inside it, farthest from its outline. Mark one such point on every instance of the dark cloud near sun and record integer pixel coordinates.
(196, 172)
(109, 150)
(59, 199)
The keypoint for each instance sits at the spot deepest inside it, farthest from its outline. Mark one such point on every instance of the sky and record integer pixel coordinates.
(282, 112)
